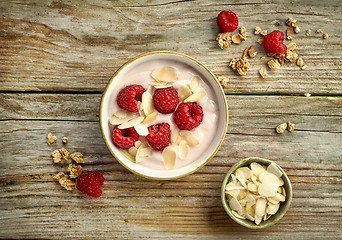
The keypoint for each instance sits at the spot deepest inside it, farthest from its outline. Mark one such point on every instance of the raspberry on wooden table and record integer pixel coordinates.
(227, 21)
(165, 100)
(188, 116)
(129, 97)
(273, 42)
(124, 138)
(90, 184)
(159, 136)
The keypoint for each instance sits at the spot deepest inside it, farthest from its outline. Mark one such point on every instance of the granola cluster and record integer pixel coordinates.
(66, 181)
(224, 40)
(282, 127)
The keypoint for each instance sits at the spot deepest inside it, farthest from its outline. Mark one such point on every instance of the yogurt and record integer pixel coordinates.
(204, 132)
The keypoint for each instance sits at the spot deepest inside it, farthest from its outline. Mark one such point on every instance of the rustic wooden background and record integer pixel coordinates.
(56, 58)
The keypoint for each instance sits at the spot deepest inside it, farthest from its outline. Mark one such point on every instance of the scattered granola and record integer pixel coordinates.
(56, 156)
(273, 64)
(308, 32)
(243, 32)
(252, 52)
(319, 31)
(290, 126)
(300, 62)
(237, 38)
(257, 30)
(307, 94)
(263, 58)
(51, 138)
(224, 40)
(263, 33)
(290, 22)
(325, 36)
(263, 72)
(64, 181)
(64, 153)
(64, 140)
(281, 128)
(75, 170)
(288, 34)
(291, 56)
(223, 81)
(260, 40)
(296, 29)
(77, 157)
(291, 46)
(241, 65)
(304, 67)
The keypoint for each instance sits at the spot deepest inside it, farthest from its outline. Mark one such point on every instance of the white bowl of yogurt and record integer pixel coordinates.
(210, 133)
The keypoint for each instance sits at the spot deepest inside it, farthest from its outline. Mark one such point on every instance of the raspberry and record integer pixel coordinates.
(273, 42)
(227, 21)
(165, 100)
(90, 184)
(129, 96)
(124, 138)
(159, 136)
(188, 116)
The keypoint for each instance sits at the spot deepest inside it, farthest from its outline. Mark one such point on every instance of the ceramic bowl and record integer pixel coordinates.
(108, 101)
(284, 206)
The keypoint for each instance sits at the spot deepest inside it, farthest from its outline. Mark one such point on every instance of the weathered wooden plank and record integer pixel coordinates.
(133, 207)
(59, 46)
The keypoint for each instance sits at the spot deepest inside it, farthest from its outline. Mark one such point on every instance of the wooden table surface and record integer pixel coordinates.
(56, 59)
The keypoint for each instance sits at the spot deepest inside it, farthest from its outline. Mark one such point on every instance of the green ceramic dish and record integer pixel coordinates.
(283, 207)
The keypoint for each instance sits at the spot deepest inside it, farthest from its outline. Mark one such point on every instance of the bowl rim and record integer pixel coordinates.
(243, 163)
(222, 95)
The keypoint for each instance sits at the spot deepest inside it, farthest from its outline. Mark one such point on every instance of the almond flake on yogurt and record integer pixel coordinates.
(255, 192)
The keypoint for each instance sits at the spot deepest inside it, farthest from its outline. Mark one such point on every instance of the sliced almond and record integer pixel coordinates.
(272, 200)
(133, 151)
(163, 86)
(137, 144)
(260, 207)
(257, 219)
(127, 155)
(195, 83)
(183, 92)
(241, 177)
(143, 153)
(189, 137)
(270, 177)
(195, 97)
(234, 204)
(237, 215)
(233, 186)
(150, 89)
(165, 74)
(233, 193)
(245, 171)
(183, 149)
(272, 208)
(272, 168)
(169, 157)
(147, 103)
(175, 137)
(257, 168)
(242, 195)
(249, 217)
(252, 187)
(131, 123)
(141, 129)
(114, 120)
(150, 118)
(121, 114)
(233, 178)
(267, 189)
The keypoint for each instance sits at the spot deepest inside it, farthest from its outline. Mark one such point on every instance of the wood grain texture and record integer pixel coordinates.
(134, 207)
(56, 59)
(63, 46)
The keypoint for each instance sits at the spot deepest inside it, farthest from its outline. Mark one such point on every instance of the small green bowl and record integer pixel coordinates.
(284, 206)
